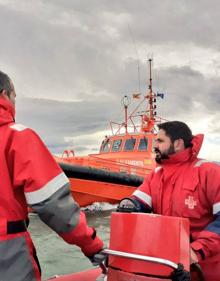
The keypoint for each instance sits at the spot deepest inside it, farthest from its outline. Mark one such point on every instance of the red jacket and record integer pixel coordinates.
(185, 186)
(31, 177)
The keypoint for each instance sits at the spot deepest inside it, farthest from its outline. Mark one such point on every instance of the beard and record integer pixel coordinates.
(163, 155)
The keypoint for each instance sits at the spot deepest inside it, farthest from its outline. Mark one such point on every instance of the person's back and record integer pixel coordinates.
(31, 177)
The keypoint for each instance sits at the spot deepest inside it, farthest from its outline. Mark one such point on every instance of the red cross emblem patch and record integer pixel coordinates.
(190, 202)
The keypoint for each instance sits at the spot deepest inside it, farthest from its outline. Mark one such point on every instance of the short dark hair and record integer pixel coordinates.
(5, 83)
(177, 130)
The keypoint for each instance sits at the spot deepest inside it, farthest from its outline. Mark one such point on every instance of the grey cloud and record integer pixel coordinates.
(214, 127)
(64, 58)
(58, 58)
(184, 87)
(55, 121)
(156, 22)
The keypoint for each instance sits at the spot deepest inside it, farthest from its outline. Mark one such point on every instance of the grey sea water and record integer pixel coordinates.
(57, 257)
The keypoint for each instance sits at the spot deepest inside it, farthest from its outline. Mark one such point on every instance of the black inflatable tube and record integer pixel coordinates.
(89, 173)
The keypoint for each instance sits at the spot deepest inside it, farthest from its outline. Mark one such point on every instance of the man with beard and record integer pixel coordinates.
(182, 185)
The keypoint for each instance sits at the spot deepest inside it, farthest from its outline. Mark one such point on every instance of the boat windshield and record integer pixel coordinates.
(116, 145)
(143, 144)
(129, 144)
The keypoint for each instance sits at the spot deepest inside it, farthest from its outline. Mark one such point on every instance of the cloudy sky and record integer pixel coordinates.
(72, 61)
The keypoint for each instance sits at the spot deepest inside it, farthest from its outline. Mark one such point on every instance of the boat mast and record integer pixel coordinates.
(125, 102)
(151, 92)
(148, 116)
(148, 119)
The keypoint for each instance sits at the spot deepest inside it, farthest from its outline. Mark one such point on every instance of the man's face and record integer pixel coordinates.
(163, 146)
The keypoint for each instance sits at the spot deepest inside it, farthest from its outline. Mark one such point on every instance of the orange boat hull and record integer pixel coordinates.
(86, 192)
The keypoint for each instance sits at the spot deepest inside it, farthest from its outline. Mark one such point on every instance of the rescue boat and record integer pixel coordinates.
(154, 248)
(125, 156)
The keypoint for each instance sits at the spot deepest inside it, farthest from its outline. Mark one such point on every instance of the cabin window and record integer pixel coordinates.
(105, 146)
(129, 144)
(143, 144)
(116, 145)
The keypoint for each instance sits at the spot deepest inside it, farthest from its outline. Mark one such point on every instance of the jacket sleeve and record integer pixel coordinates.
(207, 243)
(47, 192)
(143, 192)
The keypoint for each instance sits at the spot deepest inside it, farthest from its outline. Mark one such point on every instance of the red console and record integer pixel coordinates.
(160, 237)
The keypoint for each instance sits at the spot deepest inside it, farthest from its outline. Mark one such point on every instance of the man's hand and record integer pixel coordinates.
(193, 256)
(130, 205)
(98, 258)
(180, 274)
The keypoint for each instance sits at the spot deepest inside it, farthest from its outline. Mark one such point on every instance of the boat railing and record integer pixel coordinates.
(127, 255)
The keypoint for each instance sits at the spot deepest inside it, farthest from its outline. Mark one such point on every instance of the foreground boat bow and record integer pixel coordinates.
(143, 247)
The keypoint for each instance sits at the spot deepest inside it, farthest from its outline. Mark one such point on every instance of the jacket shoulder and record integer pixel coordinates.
(207, 169)
(206, 164)
(21, 133)
(18, 127)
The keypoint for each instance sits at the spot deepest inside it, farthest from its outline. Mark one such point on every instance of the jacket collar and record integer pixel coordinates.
(7, 112)
(186, 154)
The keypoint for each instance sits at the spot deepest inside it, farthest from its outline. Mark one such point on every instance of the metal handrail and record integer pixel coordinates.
(141, 257)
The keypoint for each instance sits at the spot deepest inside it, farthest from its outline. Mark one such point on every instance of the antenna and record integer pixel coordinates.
(138, 60)
(151, 101)
(125, 102)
